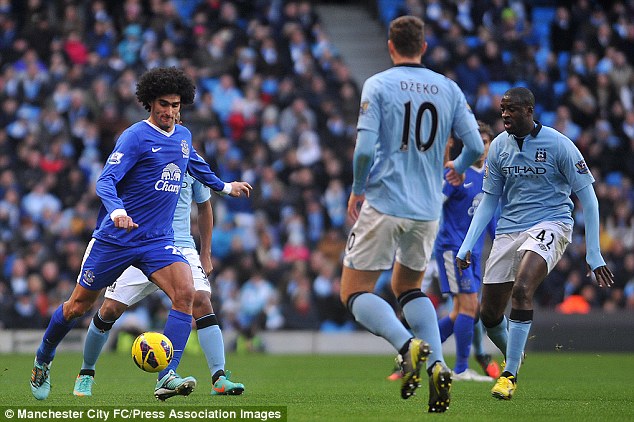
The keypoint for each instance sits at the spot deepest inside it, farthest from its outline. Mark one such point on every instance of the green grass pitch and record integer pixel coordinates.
(552, 387)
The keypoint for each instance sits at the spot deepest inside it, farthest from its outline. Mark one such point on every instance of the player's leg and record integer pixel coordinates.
(365, 258)
(542, 248)
(96, 337)
(446, 279)
(208, 330)
(63, 320)
(212, 344)
(99, 269)
(497, 286)
(489, 366)
(412, 255)
(467, 304)
(131, 287)
(176, 281)
(531, 272)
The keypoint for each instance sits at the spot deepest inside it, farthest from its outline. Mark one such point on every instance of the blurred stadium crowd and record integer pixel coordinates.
(277, 106)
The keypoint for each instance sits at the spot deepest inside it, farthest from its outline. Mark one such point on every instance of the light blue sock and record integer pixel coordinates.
(518, 334)
(422, 318)
(478, 330)
(95, 340)
(463, 331)
(177, 329)
(378, 317)
(446, 326)
(499, 335)
(210, 339)
(57, 329)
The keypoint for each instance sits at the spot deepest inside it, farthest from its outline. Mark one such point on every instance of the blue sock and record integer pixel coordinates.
(378, 317)
(445, 325)
(478, 330)
(55, 332)
(463, 331)
(422, 318)
(177, 329)
(518, 334)
(95, 340)
(210, 339)
(499, 335)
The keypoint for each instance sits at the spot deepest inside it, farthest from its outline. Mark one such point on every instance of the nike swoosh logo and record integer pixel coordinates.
(156, 149)
(220, 390)
(466, 185)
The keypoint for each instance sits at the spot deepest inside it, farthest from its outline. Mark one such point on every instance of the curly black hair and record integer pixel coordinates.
(164, 81)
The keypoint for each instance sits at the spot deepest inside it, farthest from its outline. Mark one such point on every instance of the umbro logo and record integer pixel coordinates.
(156, 149)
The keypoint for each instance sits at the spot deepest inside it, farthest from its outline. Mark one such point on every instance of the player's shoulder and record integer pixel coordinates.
(182, 130)
(499, 140)
(552, 137)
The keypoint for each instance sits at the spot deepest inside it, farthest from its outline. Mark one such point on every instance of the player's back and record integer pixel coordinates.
(413, 110)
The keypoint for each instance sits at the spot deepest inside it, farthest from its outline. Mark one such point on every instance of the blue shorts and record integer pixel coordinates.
(450, 280)
(104, 262)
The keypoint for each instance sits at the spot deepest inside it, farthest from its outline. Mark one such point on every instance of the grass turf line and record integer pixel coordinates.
(552, 386)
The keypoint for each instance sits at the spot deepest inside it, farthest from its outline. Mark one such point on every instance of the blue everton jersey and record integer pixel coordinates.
(457, 212)
(413, 110)
(535, 180)
(192, 190)
(143, 175)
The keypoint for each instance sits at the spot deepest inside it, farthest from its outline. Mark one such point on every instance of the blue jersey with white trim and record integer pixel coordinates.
(413, 110)
(457, 212)
(536, 180)
(192, 189)
(143, 175)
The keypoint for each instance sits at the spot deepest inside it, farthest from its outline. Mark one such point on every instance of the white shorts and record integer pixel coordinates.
(376, 239)
(549, 239)
(133, 285)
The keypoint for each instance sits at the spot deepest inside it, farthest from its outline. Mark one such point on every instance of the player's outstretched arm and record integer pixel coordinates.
(590, 204)
(484, 213)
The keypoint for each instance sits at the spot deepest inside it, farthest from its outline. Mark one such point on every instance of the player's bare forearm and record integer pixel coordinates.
(239, 188)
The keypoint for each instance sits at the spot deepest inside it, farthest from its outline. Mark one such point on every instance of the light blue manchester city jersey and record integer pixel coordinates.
(413, 110)
(192, 189)
(535, 182)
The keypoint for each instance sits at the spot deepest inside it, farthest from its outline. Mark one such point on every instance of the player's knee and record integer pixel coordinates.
(489, 317)
(468, 304)
(75, 309)
(202, 304)
(183, 297)
(521, 294)
(111, 310)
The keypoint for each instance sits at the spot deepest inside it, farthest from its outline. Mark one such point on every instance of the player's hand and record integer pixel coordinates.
(354, 205)
(206, 263)
(453, 177)
(463, 264)
(238, 188)
(604, 276)
(125, 222)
